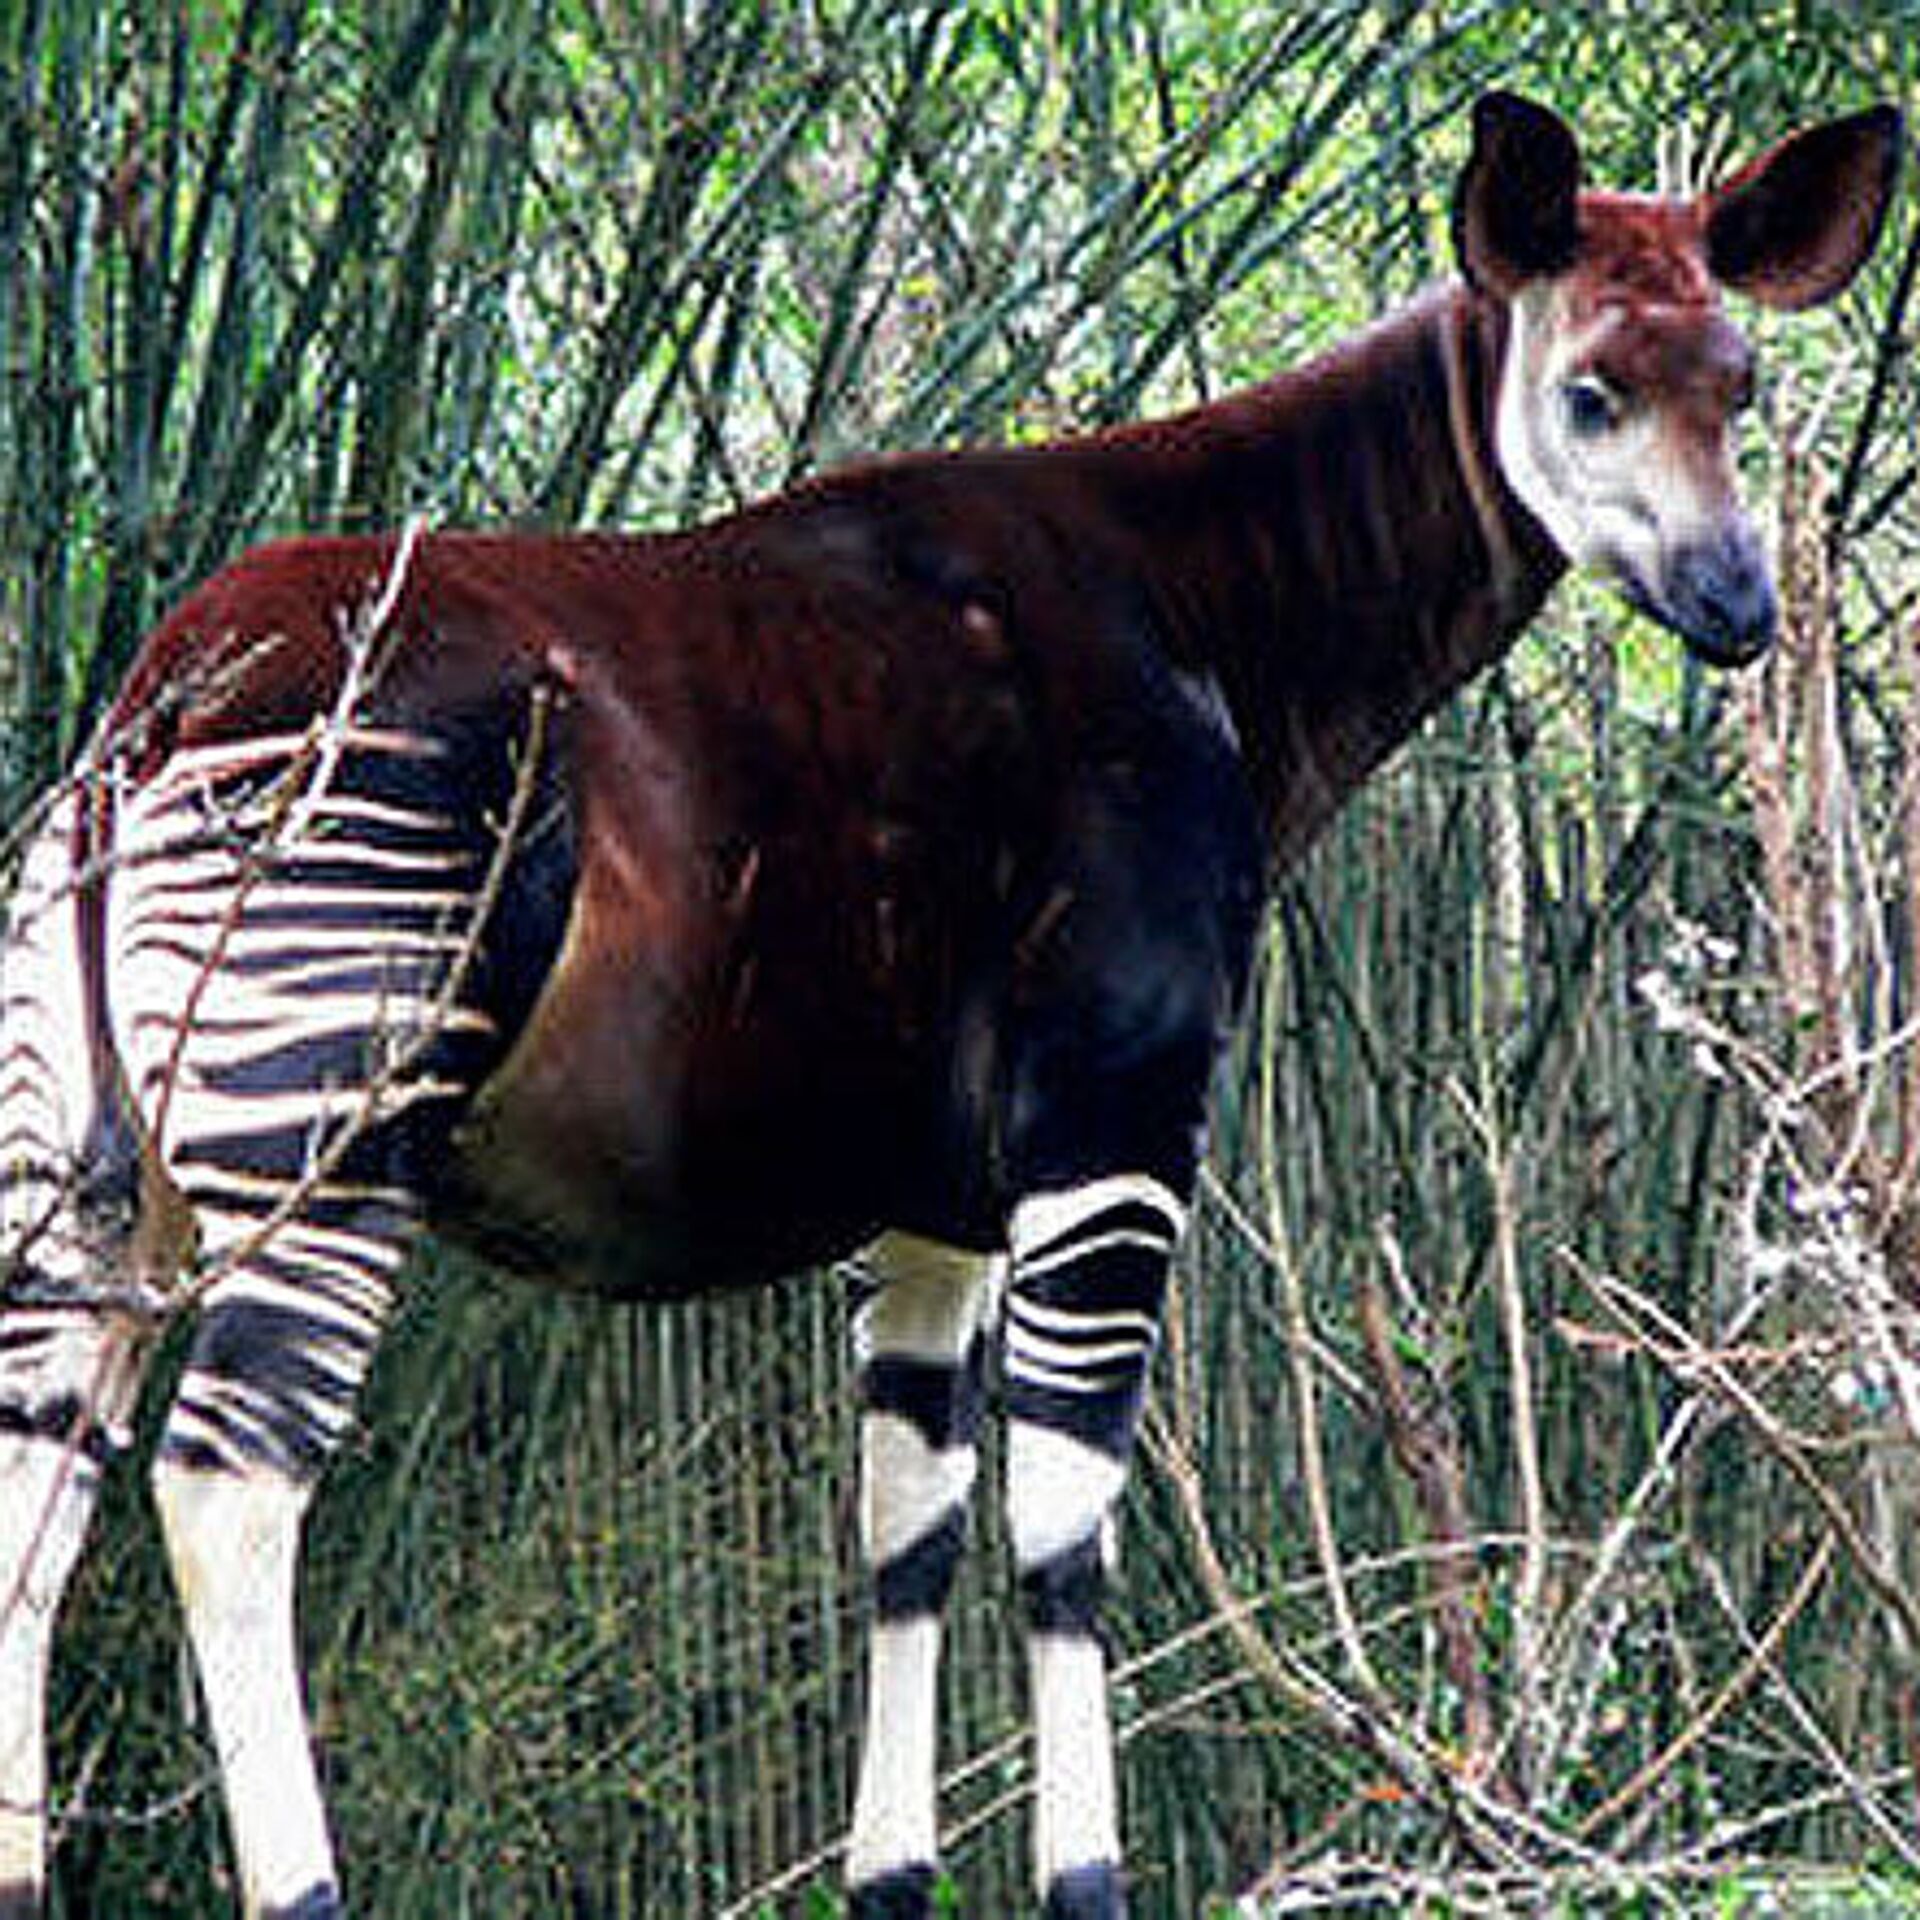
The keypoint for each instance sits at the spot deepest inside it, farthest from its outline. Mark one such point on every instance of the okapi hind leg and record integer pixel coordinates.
(67, 1382)
(921, 1339)
(284, 1341)
(69, 1370)
(291, 975)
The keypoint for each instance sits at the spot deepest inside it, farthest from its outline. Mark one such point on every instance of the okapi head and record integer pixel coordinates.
(1623, 374)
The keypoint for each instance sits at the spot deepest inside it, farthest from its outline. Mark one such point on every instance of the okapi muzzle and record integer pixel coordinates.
(1624, 378)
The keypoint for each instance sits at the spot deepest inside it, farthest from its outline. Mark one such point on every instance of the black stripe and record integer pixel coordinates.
(1103, 1419)
(66, 1422)
(940, 1401)
(901, 1893)
(1111, 1279)
(1093, 1892)
(317, 1903)
(917, 1580)
(275, 1350)
(1063, 1594)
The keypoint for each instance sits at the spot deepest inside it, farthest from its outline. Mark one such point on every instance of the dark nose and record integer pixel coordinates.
(1719, 595)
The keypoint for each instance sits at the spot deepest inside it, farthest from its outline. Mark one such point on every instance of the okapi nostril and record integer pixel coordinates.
(1720, 598)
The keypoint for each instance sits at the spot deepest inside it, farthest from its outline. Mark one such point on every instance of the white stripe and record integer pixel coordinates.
(1031, 1373)
(1035, 1264)
(1090, 1365)
(1045, 1317)
(1043, 1217)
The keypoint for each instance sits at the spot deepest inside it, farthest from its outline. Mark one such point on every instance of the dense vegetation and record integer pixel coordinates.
(1527, 1507)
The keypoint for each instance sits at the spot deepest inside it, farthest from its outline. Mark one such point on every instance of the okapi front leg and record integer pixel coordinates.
(921, 1348)
(1082, 1319)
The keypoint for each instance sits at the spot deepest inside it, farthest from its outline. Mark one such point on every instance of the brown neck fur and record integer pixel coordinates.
(1337, 548)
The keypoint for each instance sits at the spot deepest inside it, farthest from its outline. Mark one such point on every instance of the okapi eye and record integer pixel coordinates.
(1592, 406)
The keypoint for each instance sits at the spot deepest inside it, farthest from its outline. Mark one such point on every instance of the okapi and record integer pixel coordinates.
(877, 867)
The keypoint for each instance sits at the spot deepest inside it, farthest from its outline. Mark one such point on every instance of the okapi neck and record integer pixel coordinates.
(1339, 549)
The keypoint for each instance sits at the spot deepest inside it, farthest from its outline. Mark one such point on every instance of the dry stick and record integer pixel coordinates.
(1427, 1454)
(1678, 1434)
(1648, 1776)
(1492, 1828)
(1530, 1586)
(1761, 1653)
(1313, 1465)
(1680, 1353)
(1907, 1165)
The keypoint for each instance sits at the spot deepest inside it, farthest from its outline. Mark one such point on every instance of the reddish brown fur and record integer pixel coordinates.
(822, 756)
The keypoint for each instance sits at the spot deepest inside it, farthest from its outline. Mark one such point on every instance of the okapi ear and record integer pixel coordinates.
(1793, 227)
(1515, 211)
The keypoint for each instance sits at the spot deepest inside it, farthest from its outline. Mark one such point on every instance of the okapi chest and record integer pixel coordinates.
(881, 864)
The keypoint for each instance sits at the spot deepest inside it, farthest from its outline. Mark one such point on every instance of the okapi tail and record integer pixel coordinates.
(107, 1178)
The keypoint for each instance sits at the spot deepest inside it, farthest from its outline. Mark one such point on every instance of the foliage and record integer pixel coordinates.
(583, 1599)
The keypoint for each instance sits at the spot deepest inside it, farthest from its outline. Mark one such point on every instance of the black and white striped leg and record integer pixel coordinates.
(283, 1014)
(284, 1340)
(921, 1342)
(1082, 1319)
(68, 1373)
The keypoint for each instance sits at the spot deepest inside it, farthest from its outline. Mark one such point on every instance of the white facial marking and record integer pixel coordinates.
(1597, 466)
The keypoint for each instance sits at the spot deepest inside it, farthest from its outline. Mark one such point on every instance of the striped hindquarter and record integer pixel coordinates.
(289, 938)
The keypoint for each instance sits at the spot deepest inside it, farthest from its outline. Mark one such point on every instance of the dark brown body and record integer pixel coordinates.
(863, 783)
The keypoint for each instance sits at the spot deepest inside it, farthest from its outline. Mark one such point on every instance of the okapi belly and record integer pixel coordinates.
(620, 1150)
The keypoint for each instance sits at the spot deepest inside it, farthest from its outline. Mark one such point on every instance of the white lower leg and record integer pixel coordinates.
(894, 1822)
(920, 1369)
(1061, 1494)
(46, 1495)
(234, 1546)
(1076, 1812)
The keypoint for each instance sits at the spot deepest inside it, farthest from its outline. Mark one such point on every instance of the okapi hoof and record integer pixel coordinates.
(1087, 1893)
(905, 1893)
(317, 1903)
